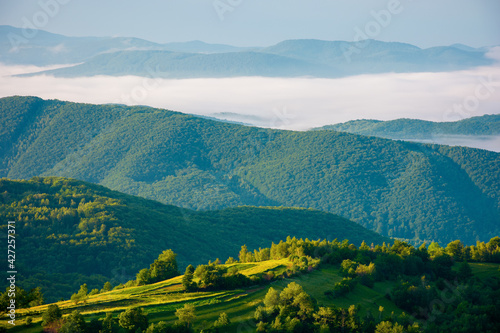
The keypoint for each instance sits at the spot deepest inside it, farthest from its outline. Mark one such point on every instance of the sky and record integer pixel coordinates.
(424, 23)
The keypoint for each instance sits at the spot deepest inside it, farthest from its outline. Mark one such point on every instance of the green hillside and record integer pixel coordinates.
(88, 233)
(400, 189)
(160, 300)
(420, 129)
(304, 286)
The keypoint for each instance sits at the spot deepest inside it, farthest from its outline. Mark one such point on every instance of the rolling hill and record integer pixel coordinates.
(477, 132)
(404, 129)
(471, 300)
(87, 233)
(399, 189)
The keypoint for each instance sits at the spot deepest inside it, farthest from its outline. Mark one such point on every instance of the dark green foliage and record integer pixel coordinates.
(163, 268)
(187, 279)
(215, 277)
(401, 129)
(81, 295)
(109, 324)
(23, 299)
(343, 287)
(52, 314)
(222, 321)
(293, 310)
(410, 296)
(106, 287)
(133, 319)
(464, 272)
(396, 188)
(74, 323)
(112, 236)
(186, 314)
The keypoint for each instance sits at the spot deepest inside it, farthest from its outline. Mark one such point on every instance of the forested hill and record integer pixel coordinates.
(69, 232)
(420, 129)
(400, 189)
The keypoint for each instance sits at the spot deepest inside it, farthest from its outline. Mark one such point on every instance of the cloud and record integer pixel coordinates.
(297, 104)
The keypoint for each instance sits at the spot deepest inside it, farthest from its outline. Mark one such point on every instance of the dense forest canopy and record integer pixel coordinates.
(399, 189)
(420, 129)
(88, 233)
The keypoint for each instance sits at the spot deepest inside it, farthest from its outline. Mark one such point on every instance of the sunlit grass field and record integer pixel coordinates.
(160, 300)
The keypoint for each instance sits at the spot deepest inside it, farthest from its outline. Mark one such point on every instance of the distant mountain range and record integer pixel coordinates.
(291, 58)
(399, 189)
(43, 48)
(483, 128)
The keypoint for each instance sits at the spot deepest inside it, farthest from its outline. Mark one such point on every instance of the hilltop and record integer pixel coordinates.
(411, 129)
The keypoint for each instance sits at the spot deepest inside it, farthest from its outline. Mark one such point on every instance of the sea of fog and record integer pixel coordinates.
(286, 103)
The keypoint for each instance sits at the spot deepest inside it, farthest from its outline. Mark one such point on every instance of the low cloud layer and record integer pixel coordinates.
(297, 104)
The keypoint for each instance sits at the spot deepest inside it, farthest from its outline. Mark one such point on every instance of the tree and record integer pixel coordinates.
(272, 299)
(243, 254)
(388, 327)
(187, 279)
(108, 324)
(165, 267)
(143, 277)
(295, 298)
(81, 295)
(107, 287)
(94, 292)
(94, 326)
(186, 314)
(464, 271)
(35, 297)
(52, 314)
(456, 250)
(160, 327)
(435, 250)
(222, 321)
(133, 319)
(74, 323)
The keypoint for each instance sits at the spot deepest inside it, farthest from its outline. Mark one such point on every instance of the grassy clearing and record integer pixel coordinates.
(485, 270)
(317, 282)
(160, 300)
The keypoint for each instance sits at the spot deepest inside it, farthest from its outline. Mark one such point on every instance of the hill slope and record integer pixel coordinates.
(420, 129)
(399, 189)
(478, 132)
(80, 229)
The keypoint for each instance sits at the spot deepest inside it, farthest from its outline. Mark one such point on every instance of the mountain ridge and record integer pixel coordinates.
(113, 235)
(484, 128)
(399, 189)
(295, 58)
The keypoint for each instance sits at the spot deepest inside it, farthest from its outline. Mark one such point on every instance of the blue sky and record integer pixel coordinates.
(424, 23)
